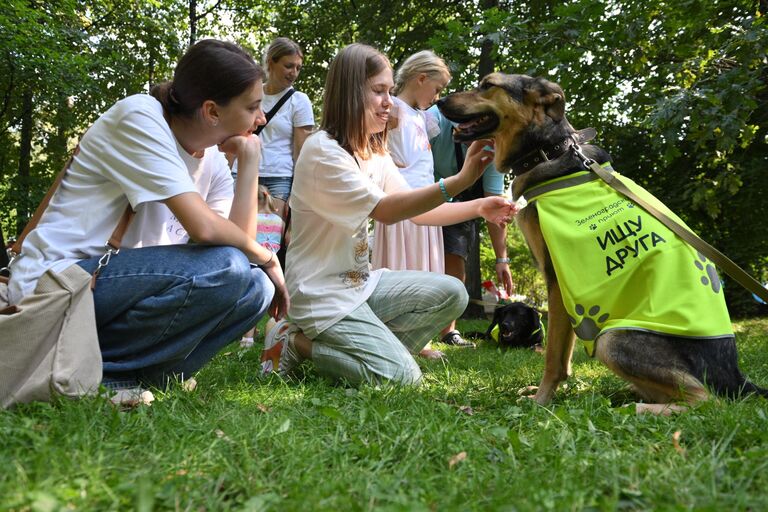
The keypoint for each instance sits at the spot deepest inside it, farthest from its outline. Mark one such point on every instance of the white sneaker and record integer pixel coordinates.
(132, 397)
(279, 354)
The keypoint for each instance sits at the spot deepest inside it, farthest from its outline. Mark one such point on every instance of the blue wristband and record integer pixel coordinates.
(441, 183)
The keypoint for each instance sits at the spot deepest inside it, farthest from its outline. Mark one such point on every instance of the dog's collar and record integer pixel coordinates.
(549, 152)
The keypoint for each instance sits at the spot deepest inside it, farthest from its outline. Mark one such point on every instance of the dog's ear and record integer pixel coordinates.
(550, 96)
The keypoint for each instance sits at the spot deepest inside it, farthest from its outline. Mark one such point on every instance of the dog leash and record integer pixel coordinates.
(720, 259)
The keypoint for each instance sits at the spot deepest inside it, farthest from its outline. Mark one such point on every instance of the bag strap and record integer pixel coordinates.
(32, 224)
(269, 115)
(720, 259)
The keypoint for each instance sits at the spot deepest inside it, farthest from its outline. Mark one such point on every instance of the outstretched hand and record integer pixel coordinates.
(497, 209)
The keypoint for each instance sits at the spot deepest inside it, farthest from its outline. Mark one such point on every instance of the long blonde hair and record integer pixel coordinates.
(344, 112)
(425, 62)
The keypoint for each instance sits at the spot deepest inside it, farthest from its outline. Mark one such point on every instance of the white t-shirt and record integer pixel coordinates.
(409, 145)
(277, 136)
(328, 271)
(155, 223)
(129, 155)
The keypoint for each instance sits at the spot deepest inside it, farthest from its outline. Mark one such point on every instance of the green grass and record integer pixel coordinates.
(238, 443)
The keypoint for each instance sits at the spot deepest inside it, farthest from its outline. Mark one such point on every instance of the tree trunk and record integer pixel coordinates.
(192, 22)
(3, 254)
(25, 161)
(473, 279)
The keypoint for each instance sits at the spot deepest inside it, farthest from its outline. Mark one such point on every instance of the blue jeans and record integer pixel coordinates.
(164, 312)
(278, 186)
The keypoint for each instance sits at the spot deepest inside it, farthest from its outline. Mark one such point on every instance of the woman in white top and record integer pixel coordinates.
(356, 324)
(285, 133)
(164, 307)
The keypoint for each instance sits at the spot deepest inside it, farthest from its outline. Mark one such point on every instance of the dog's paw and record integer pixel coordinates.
(527, 391)
(587, 328)
(711, 278)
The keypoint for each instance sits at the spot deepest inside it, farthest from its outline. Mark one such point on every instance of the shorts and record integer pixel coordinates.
(279, 186)
(457, 238)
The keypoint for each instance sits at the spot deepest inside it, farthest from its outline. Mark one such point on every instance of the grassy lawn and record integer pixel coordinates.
(462, 441)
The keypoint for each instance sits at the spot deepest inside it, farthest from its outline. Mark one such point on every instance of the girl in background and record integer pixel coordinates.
(269, 235)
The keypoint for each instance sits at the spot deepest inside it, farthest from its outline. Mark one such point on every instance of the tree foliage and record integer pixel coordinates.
(677, 90)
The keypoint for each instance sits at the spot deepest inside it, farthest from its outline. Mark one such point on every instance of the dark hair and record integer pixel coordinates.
(344, 102)
(209, 70)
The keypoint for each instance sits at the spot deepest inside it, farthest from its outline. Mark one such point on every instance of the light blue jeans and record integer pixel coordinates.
(375, 342)
(164, 312)
(278, 186)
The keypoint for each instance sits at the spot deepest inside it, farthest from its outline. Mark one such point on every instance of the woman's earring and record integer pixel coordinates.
(215, 122)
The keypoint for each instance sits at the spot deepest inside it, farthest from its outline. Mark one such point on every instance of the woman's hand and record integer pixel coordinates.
(241, 146)
(281, 302)
(477, 159)
(497, 209)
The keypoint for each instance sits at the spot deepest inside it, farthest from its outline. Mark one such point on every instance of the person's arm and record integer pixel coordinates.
(207, 227)
(411, 204)
(498, 236)
(495, 210)
(300, 134)
(245, 204)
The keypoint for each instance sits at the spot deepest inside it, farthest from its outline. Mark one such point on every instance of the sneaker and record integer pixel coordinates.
(279, 354)
(454, 338)
(128, 398)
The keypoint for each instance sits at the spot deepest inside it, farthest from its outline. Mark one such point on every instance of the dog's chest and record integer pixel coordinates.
(618, 266)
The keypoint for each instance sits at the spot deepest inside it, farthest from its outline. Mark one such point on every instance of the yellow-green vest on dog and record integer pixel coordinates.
(620, 268)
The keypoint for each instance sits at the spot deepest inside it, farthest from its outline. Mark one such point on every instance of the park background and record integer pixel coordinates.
(677, 93)
(676, 90)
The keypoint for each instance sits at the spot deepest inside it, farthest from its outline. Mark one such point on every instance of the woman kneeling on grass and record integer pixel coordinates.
(164, 307)
(355, 324)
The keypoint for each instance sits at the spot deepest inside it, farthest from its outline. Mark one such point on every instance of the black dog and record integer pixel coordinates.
(519, 326)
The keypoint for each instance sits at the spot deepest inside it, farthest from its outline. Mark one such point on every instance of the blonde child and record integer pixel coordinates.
(406, 245)
(269, 233)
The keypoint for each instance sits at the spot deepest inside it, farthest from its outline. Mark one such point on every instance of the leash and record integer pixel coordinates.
(720, 259)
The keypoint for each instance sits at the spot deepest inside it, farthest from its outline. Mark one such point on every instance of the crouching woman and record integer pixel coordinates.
(165, 307)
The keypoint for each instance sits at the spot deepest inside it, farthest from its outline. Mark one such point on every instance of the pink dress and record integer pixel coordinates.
(405, 245)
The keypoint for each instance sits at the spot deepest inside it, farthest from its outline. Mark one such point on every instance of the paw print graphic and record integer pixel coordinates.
(630, 205)
(588, 327)
(711, 278)
(593, 227)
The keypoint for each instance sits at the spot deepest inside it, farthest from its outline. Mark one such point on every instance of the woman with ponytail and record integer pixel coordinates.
(190, 276)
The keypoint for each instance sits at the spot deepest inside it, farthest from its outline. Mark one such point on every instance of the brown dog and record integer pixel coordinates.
(662, 348)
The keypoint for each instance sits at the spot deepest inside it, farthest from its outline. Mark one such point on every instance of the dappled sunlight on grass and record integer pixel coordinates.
(463, 440)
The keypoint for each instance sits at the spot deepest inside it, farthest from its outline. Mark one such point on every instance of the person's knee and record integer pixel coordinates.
(456, 294)
(409, 374)
(235, 269)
